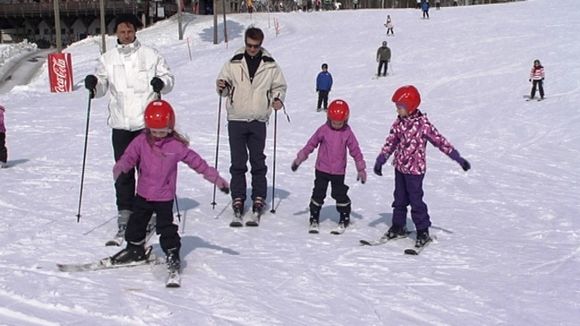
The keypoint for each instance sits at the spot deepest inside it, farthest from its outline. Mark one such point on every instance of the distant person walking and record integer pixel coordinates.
(383, 58)
(3, 149)
(389, 25)
(537, 79)
(323, 87)
(425, 7)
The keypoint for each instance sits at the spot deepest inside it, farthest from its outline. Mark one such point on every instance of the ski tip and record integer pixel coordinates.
(411, 252)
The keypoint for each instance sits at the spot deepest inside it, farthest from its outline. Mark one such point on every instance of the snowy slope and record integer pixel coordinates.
(508, 233)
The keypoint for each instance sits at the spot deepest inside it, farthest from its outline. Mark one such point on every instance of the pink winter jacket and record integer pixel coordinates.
(408, 141)
(2, 126)
(332, 152)
(158, 166)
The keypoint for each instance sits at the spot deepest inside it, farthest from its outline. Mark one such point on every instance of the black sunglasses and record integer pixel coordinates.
(255, 46)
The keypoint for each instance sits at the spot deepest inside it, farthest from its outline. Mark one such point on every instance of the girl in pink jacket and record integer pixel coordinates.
(156, 152)
(537, 79)
(407, 141)
(3, 150)
(334, 138)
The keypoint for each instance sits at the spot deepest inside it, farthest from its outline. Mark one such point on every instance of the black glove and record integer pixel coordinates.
(91, 84)
(225, 190)
(379, 162)
(157, 84)
(465, 165)
(530, 80)
(294, 167)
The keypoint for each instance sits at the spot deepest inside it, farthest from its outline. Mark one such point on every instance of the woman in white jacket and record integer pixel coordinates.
(133, 73)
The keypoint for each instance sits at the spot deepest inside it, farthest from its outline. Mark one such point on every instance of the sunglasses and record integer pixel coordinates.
(253, 46)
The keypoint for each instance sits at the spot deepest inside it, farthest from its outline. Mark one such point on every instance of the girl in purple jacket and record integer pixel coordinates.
(407, 141)
(3, 150)
(334, 138)
(156, 152)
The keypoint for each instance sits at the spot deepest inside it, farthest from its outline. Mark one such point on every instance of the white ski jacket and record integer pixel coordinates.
(252, 100)
(127, 71)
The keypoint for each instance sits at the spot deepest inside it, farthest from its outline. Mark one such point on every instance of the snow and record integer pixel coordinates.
(508, 234)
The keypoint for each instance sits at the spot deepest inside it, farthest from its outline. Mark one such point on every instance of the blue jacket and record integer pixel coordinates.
(425, 6)
(324, 81)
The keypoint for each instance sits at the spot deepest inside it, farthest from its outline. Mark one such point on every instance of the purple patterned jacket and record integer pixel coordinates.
(407, 140)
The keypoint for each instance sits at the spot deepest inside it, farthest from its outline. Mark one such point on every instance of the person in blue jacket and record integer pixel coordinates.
(323, 86)
(425, 7)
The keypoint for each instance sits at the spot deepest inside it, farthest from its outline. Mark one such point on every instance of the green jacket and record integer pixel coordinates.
(384, 54)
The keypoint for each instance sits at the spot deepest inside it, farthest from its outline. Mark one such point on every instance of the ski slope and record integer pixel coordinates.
(507, 249)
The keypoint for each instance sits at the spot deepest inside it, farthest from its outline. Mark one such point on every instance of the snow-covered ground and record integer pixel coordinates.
(508, 233)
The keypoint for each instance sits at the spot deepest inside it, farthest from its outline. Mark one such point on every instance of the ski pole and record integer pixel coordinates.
(217, 146)
(273, 210)
(84, 157)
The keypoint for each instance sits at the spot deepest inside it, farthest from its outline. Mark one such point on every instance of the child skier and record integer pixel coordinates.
(537, 79)
(407, 140)
(389, 25)
(157, 151)
(323, 87)
(3, 150)
(334, 138)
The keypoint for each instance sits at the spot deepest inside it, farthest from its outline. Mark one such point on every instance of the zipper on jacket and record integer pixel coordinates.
(232, 95)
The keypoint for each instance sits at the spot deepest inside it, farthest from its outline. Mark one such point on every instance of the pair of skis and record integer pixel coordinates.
(173, 279)
(415, 250)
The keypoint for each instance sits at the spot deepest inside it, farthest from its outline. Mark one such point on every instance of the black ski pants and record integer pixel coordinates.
(383, 65)
(125, 184)
(3, 150)
(540, 85)
(338, 192)
(322, 99)
(142, 211)
(247, 137)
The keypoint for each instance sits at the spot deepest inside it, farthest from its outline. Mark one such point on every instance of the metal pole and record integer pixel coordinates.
(57, 25)
(179, 20)
(225, 27)
(215, 23)
(103, 25)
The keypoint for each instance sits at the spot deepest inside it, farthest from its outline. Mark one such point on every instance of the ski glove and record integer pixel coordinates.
(295, 164)
(157, 84)
(362, 176)
(380, 161)
(223, 185)
(454, 155)
(91, 84)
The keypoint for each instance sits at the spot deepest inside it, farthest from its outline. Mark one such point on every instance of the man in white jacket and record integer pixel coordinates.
(254, 85)
(134, 74)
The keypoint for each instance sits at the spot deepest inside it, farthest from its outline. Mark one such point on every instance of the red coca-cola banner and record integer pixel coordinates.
(60, 72)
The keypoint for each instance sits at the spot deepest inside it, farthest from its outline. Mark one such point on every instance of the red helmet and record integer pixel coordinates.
(407, 96)
(159, 115)
(338, 110)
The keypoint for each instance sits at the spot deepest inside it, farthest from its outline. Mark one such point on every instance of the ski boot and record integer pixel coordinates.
(423, 238)
(238, 207)
(257, 210)
(132, 253)
(172, 260)
(314, 217)
(396, 232)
